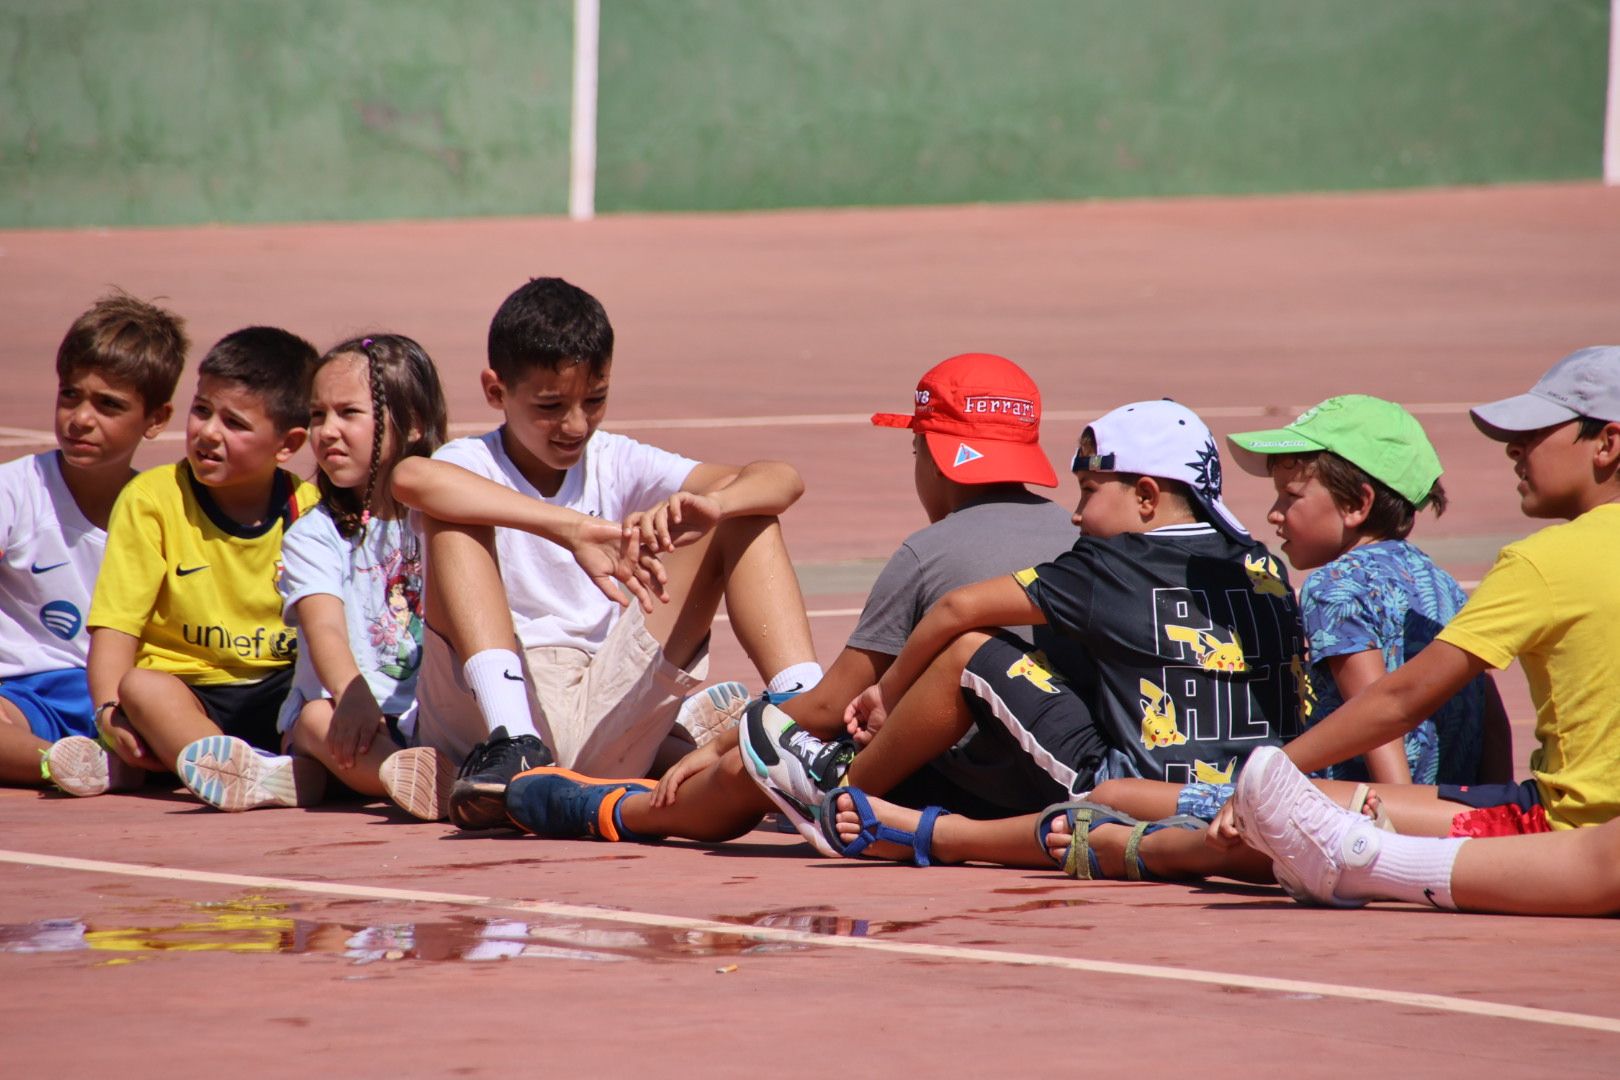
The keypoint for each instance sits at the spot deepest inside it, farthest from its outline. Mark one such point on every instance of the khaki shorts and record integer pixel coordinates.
(604, 713)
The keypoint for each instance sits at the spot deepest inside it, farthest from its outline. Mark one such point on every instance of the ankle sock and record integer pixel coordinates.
(1413, 868)
(496, 679)
(793, 679)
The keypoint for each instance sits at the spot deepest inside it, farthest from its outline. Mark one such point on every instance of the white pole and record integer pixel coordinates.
(1611, 119)
(582, 128)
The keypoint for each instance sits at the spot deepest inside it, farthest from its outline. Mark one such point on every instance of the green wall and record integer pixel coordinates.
(121, 112)
(762, 103)
(118, 112)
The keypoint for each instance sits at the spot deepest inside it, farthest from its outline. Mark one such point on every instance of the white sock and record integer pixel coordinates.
(496, 678)
(795, 679)
(1415, 868)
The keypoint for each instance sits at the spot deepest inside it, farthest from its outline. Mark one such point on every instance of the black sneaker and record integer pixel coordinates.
(478, 798)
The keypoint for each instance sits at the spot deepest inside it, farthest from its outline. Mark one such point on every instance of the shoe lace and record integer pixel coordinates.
(826, 762)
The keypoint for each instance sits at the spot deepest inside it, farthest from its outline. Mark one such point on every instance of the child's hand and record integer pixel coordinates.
(865, 715)
(677, 774)
(356, 720)
(610, 553)
(677, 521)
(1223, 831)
(117, 734)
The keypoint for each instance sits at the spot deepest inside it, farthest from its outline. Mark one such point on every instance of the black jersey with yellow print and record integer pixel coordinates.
(1192, 651)
(197, 588)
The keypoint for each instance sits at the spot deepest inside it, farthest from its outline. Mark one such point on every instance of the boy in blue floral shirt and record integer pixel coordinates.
(1351, 474)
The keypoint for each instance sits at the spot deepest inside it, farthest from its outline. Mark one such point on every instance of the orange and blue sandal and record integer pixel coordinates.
(920, 840)
(1083, 816)
(560, 804)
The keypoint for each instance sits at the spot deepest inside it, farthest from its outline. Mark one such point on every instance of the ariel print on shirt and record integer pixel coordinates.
(397, 633)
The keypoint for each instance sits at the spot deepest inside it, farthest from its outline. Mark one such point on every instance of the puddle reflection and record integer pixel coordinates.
(259, 925)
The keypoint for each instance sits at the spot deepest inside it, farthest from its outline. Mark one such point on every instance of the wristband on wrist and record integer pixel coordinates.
(105, 705)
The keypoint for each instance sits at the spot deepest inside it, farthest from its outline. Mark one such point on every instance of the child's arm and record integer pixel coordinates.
(1354, 673)
(604, 550)
(112, 656)
(356, 716)
(1000, 601)
(1496, 739)
(1387, 709)
(711, 494)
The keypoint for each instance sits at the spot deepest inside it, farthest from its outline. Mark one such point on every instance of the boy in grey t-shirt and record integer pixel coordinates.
(977, 443)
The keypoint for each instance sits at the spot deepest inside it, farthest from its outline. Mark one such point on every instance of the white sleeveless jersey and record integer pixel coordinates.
(49, 556)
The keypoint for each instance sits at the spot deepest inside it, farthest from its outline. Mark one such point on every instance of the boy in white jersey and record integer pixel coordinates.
(116, 369)
(187, 636)
(596, 687)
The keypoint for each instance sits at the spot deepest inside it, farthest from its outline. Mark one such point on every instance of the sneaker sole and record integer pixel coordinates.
(228, 774)
(805, 820)
(717, 710)
(418, 781)
(476, 806)
(79, 766)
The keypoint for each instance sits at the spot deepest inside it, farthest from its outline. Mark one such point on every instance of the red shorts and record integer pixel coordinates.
(1500, 821)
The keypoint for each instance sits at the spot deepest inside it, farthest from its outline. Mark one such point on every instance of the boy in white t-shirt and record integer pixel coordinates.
(590, 684)
(116, 369)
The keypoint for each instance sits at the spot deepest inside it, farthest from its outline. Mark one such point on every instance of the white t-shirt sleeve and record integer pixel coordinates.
(472, 454)
(643, 475)
(314, 560)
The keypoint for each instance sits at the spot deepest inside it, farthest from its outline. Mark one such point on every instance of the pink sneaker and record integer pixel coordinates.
(81, 766)
(1310, 839)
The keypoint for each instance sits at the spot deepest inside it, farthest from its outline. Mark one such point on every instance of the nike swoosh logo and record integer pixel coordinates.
(509, 675)
(38, 569)
(186, 571)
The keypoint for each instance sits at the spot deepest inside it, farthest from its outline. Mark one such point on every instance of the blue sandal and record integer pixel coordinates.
(921, 841)
(1083, 816)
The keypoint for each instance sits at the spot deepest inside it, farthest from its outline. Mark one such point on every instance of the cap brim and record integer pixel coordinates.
(1250, 449)
(1506, 419)
(969, 460)
(895, 420)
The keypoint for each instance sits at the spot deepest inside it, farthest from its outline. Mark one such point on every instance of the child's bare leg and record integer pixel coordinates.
(1145, 800)
(1173, 854)
(926, 722)
(1572, 872)
(720, 803)
(308, 739)
(19, 748)
(164, 713)
(745, 561)
(1414, 809)
(465, 599)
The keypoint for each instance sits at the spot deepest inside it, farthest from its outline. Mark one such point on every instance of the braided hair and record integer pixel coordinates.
(405, 396)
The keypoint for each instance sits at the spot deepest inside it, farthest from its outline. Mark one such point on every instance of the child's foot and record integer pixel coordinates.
(891, 831)
(418, 780)
(478, 796)
(712, 711)
(1310, 839)
(82, 766)
(228, 773)
(563, 805)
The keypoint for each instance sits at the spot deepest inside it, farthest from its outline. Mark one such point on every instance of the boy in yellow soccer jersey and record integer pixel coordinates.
(187, 638)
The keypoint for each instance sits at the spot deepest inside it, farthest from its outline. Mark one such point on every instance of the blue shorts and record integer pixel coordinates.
(1526, 795)
(56, 703)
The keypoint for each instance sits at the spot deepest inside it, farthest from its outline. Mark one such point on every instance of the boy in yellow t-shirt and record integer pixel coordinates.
(1551, 602)
(187, 638)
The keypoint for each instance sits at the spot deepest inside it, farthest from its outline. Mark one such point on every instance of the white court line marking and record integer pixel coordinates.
(1437, 1002)
(29, 436)
(823, 613)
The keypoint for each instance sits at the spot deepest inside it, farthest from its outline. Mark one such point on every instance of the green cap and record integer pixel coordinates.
(1379, 437)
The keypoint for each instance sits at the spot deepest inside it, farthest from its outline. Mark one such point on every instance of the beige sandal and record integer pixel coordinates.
(1358, 805)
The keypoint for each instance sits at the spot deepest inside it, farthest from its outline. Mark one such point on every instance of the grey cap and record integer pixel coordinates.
(1584, 383)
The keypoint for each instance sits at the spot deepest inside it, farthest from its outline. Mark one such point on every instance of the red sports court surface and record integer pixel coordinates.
(146, 936)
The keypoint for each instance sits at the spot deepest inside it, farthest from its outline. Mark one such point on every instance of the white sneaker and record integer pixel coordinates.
(1310, 839)
(82, 766)
(418, 780)
(794, 768)
(228, 773)
(713, 711)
